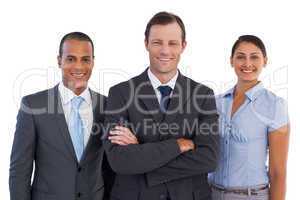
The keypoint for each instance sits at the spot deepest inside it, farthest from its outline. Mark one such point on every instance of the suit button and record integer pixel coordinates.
(78, 194)
(162, 196)
(79, 169)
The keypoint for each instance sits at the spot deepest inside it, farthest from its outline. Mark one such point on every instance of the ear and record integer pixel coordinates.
(231, 61)
(93, 61)
(59, 61)
(184, 43)
(265, 61)
(146, 44)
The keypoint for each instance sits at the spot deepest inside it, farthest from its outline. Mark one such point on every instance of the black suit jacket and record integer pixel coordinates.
(42, 141)
(155, 168)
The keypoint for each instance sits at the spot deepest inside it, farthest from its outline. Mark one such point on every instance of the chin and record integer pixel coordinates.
(166, 69)
(248, 79)
(80, 85)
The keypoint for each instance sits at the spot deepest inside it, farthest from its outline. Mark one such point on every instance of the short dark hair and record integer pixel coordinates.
(75, 36)
(164, 18)
(251, 39)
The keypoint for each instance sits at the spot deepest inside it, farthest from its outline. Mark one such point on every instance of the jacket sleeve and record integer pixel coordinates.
(22, 154)
(134, 158)
(205, 156)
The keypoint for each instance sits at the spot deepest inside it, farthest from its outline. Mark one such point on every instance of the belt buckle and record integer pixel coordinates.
(252, 192)
(249, 191)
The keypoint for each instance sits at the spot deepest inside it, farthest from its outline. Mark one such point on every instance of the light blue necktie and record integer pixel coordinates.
(76, 127)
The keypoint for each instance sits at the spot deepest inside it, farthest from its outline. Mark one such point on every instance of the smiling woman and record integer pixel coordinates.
(253, 125)
(248, 58)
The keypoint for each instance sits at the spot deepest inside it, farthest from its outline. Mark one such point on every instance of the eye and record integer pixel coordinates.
(156, 43)
(254, 57)
(86, 60)
(70, 59)
(240, 57)
(174, 43)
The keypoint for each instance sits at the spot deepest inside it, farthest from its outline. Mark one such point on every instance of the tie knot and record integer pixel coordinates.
(165, 90)
(76, 102)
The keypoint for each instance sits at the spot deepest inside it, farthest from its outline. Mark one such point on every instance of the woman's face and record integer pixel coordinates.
(248, 61)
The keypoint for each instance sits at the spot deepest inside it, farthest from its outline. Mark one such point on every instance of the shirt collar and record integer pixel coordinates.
(254, 92)
(67, 94)
(156, 83)
(228, 92)
(251, 94)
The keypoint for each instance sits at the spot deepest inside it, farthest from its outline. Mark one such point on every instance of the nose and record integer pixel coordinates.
(78, 65)
(165, 50)
(248, 63)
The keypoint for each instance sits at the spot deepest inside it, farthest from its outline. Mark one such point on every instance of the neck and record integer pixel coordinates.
(164, 77)
(75, 90)
(78, 91)
(243, 86)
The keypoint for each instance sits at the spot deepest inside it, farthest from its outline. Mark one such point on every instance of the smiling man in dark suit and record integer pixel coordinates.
(163, 126)
(58, 132)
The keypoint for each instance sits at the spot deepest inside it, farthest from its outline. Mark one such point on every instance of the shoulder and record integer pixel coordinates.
(273, 108)
(126, 87)
(269, 95)
(197, 87)
(40, 98)
(269, 98)
(98, 95)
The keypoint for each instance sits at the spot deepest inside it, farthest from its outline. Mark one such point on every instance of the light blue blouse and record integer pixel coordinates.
(244, 137)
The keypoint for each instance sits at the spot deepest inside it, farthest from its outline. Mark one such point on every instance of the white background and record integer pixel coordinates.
(31, 31)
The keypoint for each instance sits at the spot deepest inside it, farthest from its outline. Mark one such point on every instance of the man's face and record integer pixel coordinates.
(165, 46)
(76, 63)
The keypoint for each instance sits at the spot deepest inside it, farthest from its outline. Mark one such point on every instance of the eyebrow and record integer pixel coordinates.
(72, 56)
(156, 40)
(86, 56)
(254, 53)
(174, 41)
(160, 40)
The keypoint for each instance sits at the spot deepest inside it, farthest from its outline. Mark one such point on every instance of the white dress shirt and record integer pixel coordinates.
(156, 83)
(85, 110)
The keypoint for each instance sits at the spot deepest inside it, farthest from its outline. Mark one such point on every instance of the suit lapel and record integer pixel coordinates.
(180, 95)
(94, 141)
(62, 124)
(146, 94)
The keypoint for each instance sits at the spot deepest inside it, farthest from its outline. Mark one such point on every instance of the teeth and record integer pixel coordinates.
(164, 59)
(78, 75)
(247, 71)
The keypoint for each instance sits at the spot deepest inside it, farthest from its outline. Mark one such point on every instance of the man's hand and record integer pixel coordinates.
(185, 145)
(122, 136)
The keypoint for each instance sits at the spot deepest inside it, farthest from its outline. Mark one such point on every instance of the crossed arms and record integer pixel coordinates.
(160, 161)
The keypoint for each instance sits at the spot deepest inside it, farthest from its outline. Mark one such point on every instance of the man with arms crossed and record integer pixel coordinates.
(163, 126)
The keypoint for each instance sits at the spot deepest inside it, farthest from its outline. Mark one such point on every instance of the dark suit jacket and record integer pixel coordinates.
(155, 168)
(42, 141)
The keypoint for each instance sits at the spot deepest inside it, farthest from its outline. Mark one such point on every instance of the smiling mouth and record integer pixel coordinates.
(165, 59)
(78, 75)
(247, 71)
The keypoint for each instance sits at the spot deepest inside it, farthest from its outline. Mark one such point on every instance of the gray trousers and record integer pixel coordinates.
(219, 195)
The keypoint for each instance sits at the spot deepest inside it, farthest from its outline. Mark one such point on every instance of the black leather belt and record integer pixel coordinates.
(247, 192)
